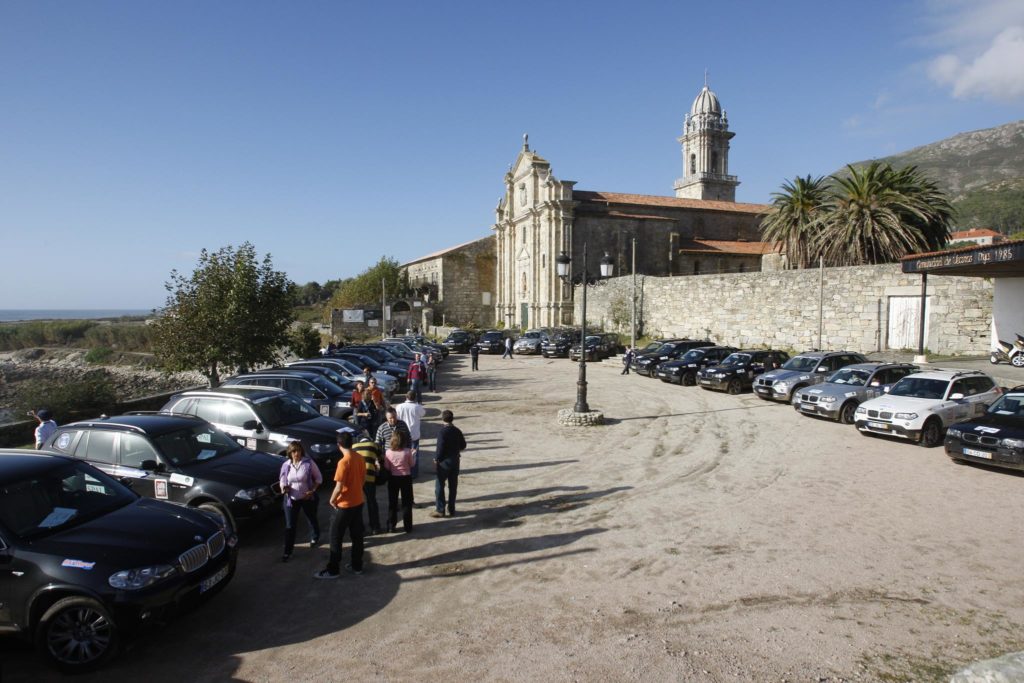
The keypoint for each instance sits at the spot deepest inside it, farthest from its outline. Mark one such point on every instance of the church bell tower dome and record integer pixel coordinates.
(705, 142)
(706, 103)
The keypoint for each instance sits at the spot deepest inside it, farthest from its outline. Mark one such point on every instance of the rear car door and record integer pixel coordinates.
(135, 451)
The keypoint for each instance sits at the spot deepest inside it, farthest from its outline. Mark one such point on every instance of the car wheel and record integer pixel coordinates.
(847, 412)
(1018, 360)
(931, 434)
(77, 634)
(221, 512)
(734, 386)
(688, 379)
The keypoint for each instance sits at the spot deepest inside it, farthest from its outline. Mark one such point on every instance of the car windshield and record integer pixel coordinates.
(1009, 405)
(491, 336)
(458, 336)
(801, 363)
(348, 366)
(282, 410)
(736, 359)
(59, 498)
(919, 387)
(195, 444)
(856, 378)
(327, 386)
(693, 356)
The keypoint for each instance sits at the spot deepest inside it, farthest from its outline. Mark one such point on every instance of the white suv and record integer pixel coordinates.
(921, 406)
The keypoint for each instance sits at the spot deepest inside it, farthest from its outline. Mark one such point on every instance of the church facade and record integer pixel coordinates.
(702, 229)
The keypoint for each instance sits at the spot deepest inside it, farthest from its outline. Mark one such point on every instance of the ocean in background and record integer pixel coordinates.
(11, 315)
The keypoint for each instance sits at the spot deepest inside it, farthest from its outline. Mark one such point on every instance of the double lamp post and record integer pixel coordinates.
(562, 263)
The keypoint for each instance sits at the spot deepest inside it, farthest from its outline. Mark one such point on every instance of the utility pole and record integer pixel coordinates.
(821, 297)
(633, 335)
(383, 309)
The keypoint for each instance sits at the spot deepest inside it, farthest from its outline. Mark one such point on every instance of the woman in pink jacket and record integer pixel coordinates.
(398, 459)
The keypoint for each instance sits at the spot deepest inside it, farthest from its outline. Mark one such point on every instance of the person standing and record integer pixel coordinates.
(432, 372)
(450, 444)
(300, 478)
(416, 374)
(389, 426)
(627, 360)
(411, 413)
(474, 355)
(367, 449)
(508, 348)
(347, 501)
(46, 426)
(398, 461)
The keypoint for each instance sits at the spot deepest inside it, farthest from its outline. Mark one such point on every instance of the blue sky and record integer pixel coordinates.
(134, 134)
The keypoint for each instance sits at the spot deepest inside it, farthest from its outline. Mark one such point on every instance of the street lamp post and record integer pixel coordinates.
(562, 263)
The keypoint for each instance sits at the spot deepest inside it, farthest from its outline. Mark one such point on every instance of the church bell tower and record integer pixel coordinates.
(705, 142)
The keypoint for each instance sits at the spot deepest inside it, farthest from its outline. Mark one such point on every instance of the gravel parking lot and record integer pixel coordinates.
(697, 536)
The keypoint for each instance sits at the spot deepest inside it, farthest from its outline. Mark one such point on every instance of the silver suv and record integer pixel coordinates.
(838, 397)
(921, 406)
(530, 342)
(802, 371)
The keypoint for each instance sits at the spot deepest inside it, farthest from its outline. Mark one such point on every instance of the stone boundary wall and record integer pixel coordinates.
(780, 309)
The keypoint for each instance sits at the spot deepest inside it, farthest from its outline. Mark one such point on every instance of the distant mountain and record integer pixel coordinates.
(982, 171)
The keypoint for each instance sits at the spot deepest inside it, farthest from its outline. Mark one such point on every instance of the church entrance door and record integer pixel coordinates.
(524, 314)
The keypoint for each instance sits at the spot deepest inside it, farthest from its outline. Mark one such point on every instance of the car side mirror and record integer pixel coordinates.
(251, 424)
(875, 384)
(886, 388)
(150, 465)
(956, 397)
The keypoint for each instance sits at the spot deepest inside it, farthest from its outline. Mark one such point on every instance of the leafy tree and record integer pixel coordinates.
(304, 341)
(233, 311)
(876, 214)
(792, 219)
(365, 288)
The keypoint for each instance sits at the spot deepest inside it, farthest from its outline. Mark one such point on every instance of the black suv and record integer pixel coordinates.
(86, 561)
(459, 341)
(996, 438)
(738, 370)
(264, 419)
(647, 363)
(683, 370)
(180, 459)
(491, 341)
(559, 343)
(325, 396)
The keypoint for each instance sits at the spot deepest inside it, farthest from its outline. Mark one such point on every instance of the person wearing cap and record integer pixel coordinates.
(46, 426)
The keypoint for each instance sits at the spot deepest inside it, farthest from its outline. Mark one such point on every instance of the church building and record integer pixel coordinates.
(702, 229)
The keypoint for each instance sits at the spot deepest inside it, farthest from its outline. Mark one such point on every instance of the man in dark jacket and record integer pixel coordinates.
(450, 444)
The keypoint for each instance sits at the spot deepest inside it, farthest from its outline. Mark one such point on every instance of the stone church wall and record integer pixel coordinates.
(467, 289)
(779, 309)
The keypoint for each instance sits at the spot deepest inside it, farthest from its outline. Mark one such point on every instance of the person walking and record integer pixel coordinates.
(450, 444)
(367, 449)
(416, 373)
(398, 461)
(627, 360)
(300, 478)
(46, 426)
(347, 501)
(508, 348)
(432, 372)
(411, 413)
(474, 355)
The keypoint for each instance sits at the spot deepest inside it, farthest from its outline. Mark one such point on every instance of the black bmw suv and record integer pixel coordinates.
(683, 370)
(86, 561)
(647, 363)
(179, 459)
(738, 371)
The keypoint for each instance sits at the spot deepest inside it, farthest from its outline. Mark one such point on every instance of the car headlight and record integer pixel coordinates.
(720, 375)
(827, 399)
(1013, 443)
(861, 410)
(906, 416)
(955, 433)
(323, 447)
(253, 493)
(781, 386)
(134, 579)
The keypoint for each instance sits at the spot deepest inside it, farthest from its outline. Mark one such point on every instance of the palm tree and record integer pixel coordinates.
(793, 219)
(877, 214)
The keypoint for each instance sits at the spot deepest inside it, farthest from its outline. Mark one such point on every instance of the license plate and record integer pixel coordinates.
(878, 425)
(762, 390)
(978, 454)
(808, 408)
(325, 410)
(705, 381)
(211, 581)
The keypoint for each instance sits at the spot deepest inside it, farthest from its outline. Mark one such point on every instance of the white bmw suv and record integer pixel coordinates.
(921, 406)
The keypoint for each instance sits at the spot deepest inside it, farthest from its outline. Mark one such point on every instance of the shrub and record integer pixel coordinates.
(99, 355)
(68, 400)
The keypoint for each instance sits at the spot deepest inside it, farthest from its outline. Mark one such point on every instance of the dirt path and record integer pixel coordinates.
(699, 536)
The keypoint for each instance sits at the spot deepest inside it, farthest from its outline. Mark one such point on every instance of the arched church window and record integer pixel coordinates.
(522, 280)
(696, 267)
(714, 162)
(543, 260)
(743, 267)
(522, 194)
(693, 163)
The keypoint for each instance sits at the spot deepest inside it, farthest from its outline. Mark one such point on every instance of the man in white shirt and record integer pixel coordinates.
(46, 426)
(411, 413)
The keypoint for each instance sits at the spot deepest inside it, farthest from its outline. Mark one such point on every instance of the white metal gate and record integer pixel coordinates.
(905, 321)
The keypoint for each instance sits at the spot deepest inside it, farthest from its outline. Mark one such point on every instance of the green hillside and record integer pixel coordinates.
(983, 172)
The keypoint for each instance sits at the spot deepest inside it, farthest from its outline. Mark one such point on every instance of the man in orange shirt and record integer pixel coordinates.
(347, 501)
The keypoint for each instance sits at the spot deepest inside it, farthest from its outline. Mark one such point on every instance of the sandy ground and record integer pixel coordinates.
(697, 537)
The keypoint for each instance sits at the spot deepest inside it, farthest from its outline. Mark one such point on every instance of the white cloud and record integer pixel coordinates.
(983, 45)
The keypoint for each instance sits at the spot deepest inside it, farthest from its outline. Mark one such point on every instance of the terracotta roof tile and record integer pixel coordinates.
(727, 247)
(671, 202)
(973, 232)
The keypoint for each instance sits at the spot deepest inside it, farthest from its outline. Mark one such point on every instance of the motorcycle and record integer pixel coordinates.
(1009, 353)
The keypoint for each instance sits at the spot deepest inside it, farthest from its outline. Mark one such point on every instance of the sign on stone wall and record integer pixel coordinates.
(352, 315)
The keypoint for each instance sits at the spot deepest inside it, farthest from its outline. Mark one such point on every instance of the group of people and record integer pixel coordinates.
(369, 404)
(382, 450)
